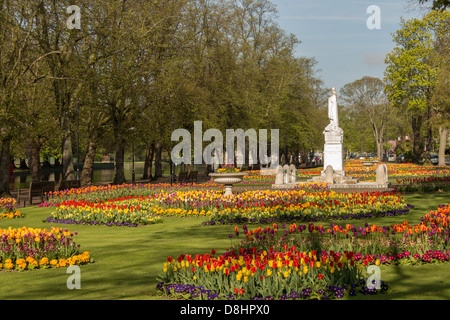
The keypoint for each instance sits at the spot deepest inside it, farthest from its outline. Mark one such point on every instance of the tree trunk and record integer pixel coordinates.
(87, 174)
(119, 175)
(5, 160)
(23, 164)
(67, 158)
(158, 163)
(379, 149)
(429, 138)
(148, 165)
(416, 123)
(378, 135)
(443, 133)
(35, 161)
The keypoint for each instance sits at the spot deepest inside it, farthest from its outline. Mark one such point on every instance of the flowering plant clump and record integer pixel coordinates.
(127, 211)
(262, 206)
(255, 177)
(355, 168)
(299, 205)
(425, 184)
(399, 243)
(282, 262)
(330, 292)
(107, 192)
(33, 248)
(252, 274)
(228, 168)
(8, 209)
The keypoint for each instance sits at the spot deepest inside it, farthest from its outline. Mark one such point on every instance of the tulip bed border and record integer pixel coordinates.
(303, 218)
(8, 209)
(331, 275)
(248, 207)
(331, 292)
(91, 223)
(34, 248)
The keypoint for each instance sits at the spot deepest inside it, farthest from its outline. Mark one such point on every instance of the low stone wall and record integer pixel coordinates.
(351, 189)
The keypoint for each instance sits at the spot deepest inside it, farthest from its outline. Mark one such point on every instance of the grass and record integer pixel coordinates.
(128, 260)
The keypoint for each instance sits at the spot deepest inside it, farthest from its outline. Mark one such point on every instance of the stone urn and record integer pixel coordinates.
(228, 179)
(367, 164)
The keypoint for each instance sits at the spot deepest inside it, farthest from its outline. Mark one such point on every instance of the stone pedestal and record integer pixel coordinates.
(333, 158)
(333, 150)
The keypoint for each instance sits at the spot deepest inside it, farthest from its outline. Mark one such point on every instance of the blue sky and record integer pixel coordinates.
(335, 32)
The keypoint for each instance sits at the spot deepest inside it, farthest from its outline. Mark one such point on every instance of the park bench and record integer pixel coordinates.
(192, 176)
(187, 177)
(69, 184)
(182, 177)
(37, 189)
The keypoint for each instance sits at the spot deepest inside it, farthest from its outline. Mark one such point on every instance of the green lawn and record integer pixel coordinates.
(128, 260)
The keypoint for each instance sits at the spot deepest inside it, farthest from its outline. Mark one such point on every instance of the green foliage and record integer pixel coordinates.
(154, 66)
(414, 64)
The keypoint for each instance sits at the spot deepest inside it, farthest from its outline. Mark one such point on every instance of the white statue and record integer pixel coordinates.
(332, 109)
(333, 113)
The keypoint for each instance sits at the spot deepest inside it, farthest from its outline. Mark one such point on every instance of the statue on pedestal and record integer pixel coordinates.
(333, 127)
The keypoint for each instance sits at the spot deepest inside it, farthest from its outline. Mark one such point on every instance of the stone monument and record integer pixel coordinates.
(333, 157)
(333, 154)
(329, 175)
(292, 174)
(279, 175)
(285, 177)
(382, 175)
(334, 137)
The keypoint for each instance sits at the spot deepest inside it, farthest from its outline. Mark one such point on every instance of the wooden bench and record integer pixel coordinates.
(69, 184)
(36, 189)
(182, 177)
(192, 176)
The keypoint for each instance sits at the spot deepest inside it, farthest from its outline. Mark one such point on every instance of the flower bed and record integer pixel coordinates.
(250, 274)
(8, 209)
(33, 248)
(426, 184)
(127, 211)
(228, 168)
(356, 169)
(280, 262)
(395, 170)
(262, 206)
(398, 243)
(299, 205)
(107, 192)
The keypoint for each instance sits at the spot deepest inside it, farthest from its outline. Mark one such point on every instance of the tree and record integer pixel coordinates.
(436, 4)
(441, 110)
(366, 96)
(413, 68)
(15, 59)
(57, 44)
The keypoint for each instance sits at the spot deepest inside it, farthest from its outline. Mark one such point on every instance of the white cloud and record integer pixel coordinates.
(374, 59)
